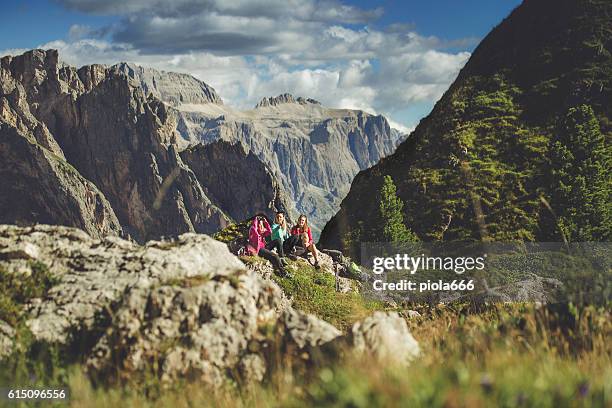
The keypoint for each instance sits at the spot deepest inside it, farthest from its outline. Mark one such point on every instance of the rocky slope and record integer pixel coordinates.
(476, 167)
(88, 148)
(244, 187)
(42, 187)
(185, 308)
(312, 150)
(122, 130)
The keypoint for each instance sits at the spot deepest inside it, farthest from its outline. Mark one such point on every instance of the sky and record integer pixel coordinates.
(390, 57)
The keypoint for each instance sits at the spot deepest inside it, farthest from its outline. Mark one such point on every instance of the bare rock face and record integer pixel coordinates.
(39, 186)
(284, 98)
(112, 137)
(244, 187)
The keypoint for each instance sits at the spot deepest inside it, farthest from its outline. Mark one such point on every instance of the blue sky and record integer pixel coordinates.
(384, 56)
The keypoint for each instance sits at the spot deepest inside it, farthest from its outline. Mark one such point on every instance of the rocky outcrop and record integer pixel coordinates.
(185, 308)
(37, 184)
(244, 188)
(40, 187)
(188, 304)
(285, 98)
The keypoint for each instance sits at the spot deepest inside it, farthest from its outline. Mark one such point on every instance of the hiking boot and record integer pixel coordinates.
(293, 257)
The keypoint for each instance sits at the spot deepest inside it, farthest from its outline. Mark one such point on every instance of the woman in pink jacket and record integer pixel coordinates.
(260, 229)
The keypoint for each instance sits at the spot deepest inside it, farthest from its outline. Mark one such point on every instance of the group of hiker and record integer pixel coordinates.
(264, 239)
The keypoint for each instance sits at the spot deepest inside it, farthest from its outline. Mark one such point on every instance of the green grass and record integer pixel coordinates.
(233, 232)
(314, 292)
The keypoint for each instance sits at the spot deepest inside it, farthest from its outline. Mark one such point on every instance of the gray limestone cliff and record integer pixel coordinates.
(172, 87)
(88, 148)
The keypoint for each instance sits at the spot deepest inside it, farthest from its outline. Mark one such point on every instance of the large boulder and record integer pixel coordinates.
(306, 330)
(180, 308)
(200, 327)
(93, 274)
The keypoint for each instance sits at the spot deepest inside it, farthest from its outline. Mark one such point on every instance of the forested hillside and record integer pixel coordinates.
(518, 148)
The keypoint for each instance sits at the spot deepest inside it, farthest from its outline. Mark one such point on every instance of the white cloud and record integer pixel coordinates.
(240, 49)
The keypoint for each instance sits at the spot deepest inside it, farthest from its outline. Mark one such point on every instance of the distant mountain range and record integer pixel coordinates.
(135, 151)
(312, 150)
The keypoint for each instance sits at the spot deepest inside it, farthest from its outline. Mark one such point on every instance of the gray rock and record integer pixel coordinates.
(36, 182)
(198, 331)
(187, 306)
(252, 368)
(306, 330)
(172, 87)
(285, 98)
(95, 274)
(312, 150)
(242, 189)
(386, 336)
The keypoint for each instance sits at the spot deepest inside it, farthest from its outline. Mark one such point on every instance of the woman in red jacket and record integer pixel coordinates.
(260, 228)
(303, 231)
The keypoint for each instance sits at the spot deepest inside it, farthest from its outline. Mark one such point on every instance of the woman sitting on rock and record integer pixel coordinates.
(302, 230)
(280, 232)
(260, 228)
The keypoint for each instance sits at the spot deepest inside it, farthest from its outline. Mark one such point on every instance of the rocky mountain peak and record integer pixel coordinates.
(171, 87)
(285, 98)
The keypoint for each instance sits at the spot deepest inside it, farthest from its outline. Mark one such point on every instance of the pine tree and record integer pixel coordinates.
(581, 189)
(392, 219)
